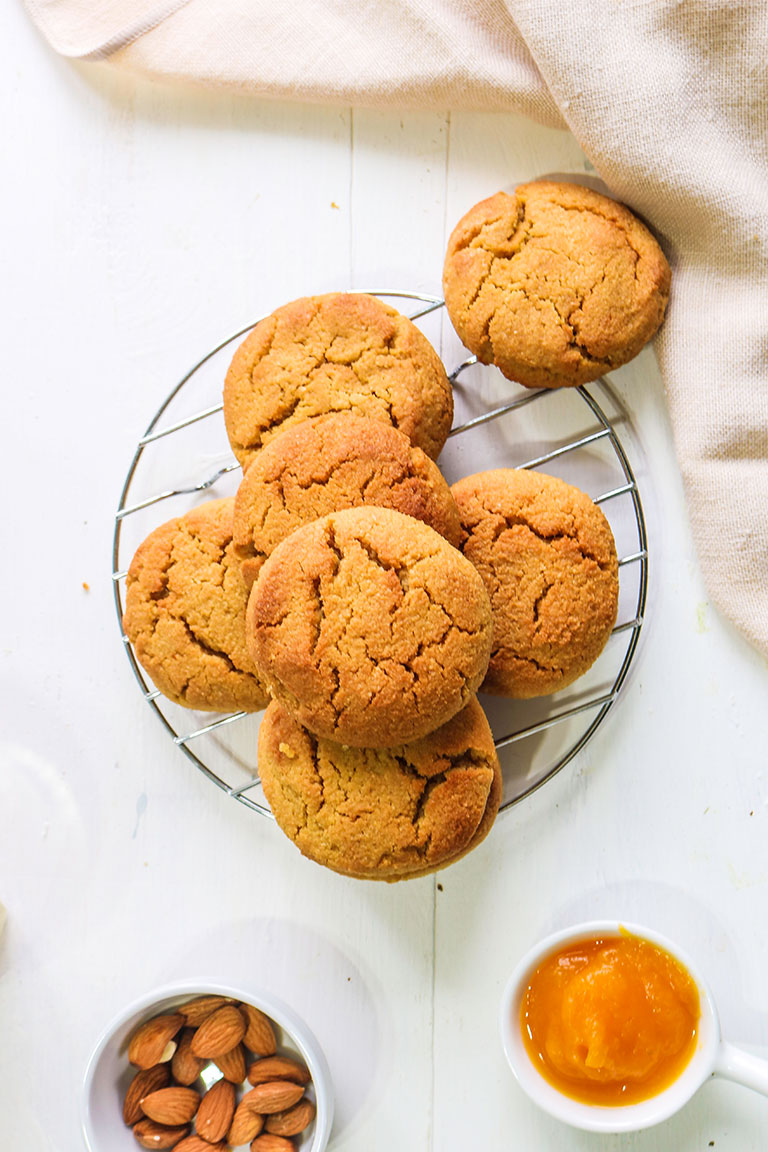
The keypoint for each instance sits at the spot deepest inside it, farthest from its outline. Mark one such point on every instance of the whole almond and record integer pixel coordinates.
(144, 1082)
(186, 1067)
(216, 1110)
(232, 1065)
(277, 1068)
(221, 1032)
(292, 1120)
(197, 1010)
(274, 1096)
(173, 1105)
(152, 1135)
(268, 1142)
(195, 1144)
(245, 1125)
(259, 1035)
(149, 1043)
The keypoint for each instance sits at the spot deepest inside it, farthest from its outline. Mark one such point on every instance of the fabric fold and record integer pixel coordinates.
(87, 32)
(670, 103)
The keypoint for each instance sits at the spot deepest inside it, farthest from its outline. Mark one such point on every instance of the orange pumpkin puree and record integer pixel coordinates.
(611, 1020)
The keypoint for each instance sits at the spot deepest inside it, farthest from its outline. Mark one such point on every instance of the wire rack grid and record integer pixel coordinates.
(223, 749)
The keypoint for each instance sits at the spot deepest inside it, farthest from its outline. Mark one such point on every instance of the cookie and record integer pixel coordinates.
(548, 559)
(344, 352)
(185, 605)
(382, 814)
(369, 627)
(555, 285)
(330, 463)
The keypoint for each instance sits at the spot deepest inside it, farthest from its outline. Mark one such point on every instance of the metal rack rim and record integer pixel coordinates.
(604, 703)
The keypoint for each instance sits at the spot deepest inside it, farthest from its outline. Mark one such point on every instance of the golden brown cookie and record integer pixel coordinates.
(548, 559)
(382, 814)
(329, 463)
(369, 627)
(489, 816)
(555, 285)
(185, 607)
(344, 352)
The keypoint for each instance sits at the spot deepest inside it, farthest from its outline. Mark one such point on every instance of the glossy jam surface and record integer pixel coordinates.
(611, 1020)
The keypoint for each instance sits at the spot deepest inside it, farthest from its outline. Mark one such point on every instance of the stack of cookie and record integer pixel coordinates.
(350, 590)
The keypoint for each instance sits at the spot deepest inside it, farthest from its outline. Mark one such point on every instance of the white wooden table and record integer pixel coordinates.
(143, 223)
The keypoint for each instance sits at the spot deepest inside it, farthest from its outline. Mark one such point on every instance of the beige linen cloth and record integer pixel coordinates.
(668, 98)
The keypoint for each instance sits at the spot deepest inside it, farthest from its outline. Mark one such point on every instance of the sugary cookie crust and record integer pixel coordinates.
(370, 627)
(548, 559)
(555, 284)
(385, 814)
(343, 352)
(330, 463)
(185, 613)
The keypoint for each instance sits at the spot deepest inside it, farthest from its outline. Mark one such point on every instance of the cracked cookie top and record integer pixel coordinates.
(330, 463)
(185, 607)
(555, 285)
(344, 352)
(548, 559)
(369, 627)
(387, 813)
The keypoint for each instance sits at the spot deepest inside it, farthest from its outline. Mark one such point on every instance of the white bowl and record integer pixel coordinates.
(708, 1056)
(109, 1073)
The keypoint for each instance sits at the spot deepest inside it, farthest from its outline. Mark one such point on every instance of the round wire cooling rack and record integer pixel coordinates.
(569, 432)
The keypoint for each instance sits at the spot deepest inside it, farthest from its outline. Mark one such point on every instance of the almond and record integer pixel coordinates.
(149, 1080)
(199, 1009)
(186, 1067)
(245, 1125)
(268, 1142)
(171, 1105)
(195, 1144)
(216, 1110)
(277, 1068)
(260, 1035)
(152, 1135)
(232, 1065)
(149, 1043)
(274, 1096)
(292, 1120)
(221, 1032)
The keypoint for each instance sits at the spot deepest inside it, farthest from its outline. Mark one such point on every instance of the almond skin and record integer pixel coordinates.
(149, 1042)
(149, 1080)
(232, 1065)
(216, 1110)
(171, 1106)
(246, 1124)
(220, 1033)
(185, 1066)
(292, 1120)
(274, 1096)
(259, 1035)
(197, 1010)
(195, 1144)
(152, 1135)
(277, 1068)
(268, 1142)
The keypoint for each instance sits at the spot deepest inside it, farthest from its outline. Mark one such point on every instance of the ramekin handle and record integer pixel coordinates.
(735, 1064)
